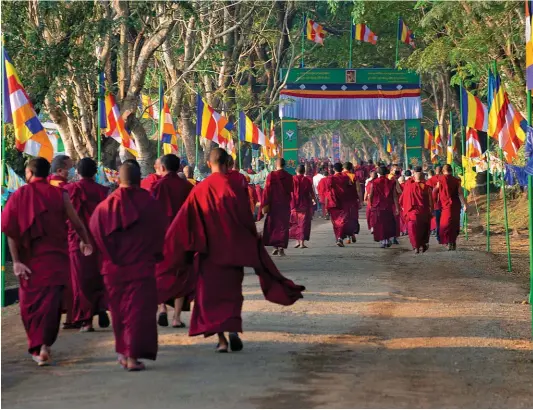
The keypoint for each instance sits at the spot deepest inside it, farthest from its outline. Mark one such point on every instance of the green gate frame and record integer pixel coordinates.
(413, 133)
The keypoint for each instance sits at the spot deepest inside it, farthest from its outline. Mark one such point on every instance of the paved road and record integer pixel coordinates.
(377, 328)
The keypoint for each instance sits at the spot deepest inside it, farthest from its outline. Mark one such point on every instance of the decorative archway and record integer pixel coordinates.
(350, 94)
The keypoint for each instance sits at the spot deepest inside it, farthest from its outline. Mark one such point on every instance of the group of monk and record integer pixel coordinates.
(79, 249)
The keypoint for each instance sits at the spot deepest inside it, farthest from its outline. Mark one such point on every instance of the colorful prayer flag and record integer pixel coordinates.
(475, 113)
(389, 146)
(315, 32)
(210, 124)
(250, 132)
(451, 146)
(505, 124)
(405, 35)
(167, 131)
(529, 46)
(148, 108)
(438, 138)
(116, 126)
(30, 135)
(428, 139)
(362, 33)
(473, 143)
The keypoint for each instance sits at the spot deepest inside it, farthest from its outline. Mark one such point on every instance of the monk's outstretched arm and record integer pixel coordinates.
(78, 225)
(19, 268)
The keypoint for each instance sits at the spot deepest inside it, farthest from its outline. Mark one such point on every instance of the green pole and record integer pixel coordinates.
(196, 154)
(463, 153)
(352, 28)
(530, 206)
(239, 138)
(2, 173)
(161, 120)
(397, 44)
(98, 131)
(488, 192)
(304, 23)
(505, 220)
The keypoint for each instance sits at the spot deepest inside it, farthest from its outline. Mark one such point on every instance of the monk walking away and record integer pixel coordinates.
(171, 191)
(89, 296)
(302, 199)
(129, 229)
(354, 201)
(277, 205)
(417, 204)
(339, 201)
(34, 221)
(149, 182)
(451, 198)
(383, 198)
(193, 241)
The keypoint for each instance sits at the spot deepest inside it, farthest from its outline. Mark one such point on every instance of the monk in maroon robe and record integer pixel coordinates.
(354, 201)
(238, 181)
(214, 232)
(302, 199)
(383, 198)
(149, 182)
(322, 190)
(171, 191)
(277, 205)
(89, 297)
(339, 204)
(61, 169)
(34, 221)
(258, 198)
(416, 202)
(452, 200)
(373, 175)
(129, 229)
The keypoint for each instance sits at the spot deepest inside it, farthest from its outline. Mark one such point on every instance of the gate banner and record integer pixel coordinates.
(289, 130)
(413, 142)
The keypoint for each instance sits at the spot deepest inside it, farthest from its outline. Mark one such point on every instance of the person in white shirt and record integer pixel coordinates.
(316, 179)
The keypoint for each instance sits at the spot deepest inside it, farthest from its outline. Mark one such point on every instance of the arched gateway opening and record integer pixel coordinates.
(350, 94)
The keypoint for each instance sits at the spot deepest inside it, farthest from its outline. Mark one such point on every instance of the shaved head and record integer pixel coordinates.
(38, 168)
(170, 163)
(300, 170)
(231, 162)
(280, 163)
(129, 173)
(218, 160)
(189, 173)
(157, 166)
(447, 169)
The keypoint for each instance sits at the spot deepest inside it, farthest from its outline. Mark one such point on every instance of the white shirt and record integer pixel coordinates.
(316, 180)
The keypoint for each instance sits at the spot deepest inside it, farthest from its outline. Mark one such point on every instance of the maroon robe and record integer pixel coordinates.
(403, 220)
(382, 213)
(322, 190)
(353, 203)
(89, 297)
(277, 196)
(57, 180)
(213, 232)
(239, 183)
(149, 182)
(259, 196)
(301, 208)
(415, 203)
(340, 194)
(129, 228)
(368, 207)
(450, 217)
(432, 183)
(35, 217)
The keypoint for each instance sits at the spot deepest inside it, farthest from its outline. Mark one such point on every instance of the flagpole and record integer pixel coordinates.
(98, 131)
(488, 192)
(3, 183)
(239, 137)
(463, 154)
(304, 20)
(530, 206)
(397, 43)
(352, 28)
(161, 119)
(505, 219)
(266, 137)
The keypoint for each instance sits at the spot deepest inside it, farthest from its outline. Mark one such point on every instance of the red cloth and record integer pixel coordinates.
(239, 184)
(415, 203)
(343, 205)
(89, 296)
(450, 217)
(277, 196)
(383, 218)
(148, 182)
(213, 232)
(432, 183)
(34, 217)
(171, 191)
(321, 189)
(301, 208)
(129, 228)
(259, 196)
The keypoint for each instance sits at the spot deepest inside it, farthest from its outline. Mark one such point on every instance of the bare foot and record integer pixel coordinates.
(122, 361)
(133, 365)
(222, 346)
(45, 355)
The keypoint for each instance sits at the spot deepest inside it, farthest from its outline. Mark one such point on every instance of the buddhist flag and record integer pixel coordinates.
(428, 140)
(529, 47)
(505, 124)
(475, 113)
(473, 144)
(362, 33)
(315, 32)
(148, 107)
(30, 135)
(210, 124)
(250, 132)
(116, 126)
(167, 131)
(451, 148)
(438, 138)
(404, 34)
(389, 145)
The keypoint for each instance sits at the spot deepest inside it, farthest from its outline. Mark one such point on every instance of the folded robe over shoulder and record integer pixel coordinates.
(301, 208)
(215, 230)
(416, 211)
